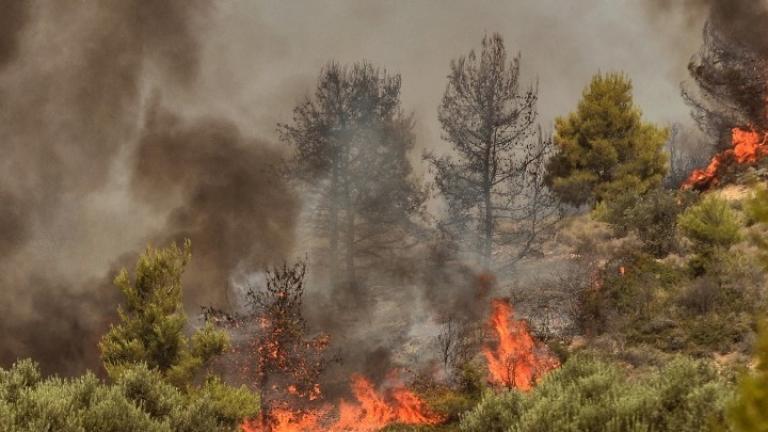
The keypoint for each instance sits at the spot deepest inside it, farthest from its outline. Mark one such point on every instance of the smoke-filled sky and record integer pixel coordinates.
(124, 122)
(262, 56)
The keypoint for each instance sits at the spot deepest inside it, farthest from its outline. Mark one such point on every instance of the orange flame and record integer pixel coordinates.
(516, 361)
(370, 412)
(747, 147)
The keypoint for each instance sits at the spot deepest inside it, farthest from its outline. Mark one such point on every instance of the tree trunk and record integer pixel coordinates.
(487, 229)
(351, 278)
(264, 405)
(333, 215)
(488, 204)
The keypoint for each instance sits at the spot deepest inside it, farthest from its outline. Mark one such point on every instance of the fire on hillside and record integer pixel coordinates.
(515, 360)
(747, 147)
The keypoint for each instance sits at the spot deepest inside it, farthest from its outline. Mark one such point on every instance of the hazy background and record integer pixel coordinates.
(99, 99)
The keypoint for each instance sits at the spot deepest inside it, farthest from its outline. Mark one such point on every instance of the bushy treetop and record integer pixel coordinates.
(605, 149)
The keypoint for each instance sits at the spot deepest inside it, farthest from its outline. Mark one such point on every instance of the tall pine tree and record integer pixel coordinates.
(493, 183)
(352, 141)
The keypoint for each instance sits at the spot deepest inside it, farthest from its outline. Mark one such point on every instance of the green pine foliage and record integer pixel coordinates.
(712, 227)
(152, 321)
(606, 152)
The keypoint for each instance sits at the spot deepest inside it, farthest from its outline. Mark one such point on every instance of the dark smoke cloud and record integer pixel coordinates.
(78, 203)
(13, 19)
(235, 206)
(742, 21)
(70, 98)
(729, 82)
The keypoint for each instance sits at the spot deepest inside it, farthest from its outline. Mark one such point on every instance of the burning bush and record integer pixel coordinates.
(517, 361)
(747, 148)
(370, 411)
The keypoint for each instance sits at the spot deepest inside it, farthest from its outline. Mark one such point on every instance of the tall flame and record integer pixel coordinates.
(747, 147)
(516, 361)
(369, 412)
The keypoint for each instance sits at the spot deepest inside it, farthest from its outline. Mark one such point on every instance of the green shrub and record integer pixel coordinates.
(138, 401)
(711, 226)
(591, 394)
(494, 413)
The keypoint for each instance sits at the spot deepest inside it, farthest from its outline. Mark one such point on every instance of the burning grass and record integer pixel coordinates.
(370, 411)
(515, 360)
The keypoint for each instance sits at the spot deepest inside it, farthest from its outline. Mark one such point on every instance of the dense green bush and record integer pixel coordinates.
(590, 394)
(139, 400)
(712, 227)
(652, 217)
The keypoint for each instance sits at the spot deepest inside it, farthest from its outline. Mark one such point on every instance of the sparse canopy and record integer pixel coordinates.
(493, 186)
(352, 140)
(152, 321)
(605, 149)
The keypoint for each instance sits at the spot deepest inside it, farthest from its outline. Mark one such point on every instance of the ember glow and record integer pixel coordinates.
(516, 362)
(370, 411)
(748, 147)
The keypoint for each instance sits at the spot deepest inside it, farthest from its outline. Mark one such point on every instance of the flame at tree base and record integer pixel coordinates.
(516, 362)
(369, 412)
(747, 148)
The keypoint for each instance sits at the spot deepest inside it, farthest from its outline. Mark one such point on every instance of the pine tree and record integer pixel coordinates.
(352, 141)
(152, 321)
(605, 149)
(493, 186)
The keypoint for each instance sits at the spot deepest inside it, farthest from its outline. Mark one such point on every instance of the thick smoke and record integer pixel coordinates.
(729, 69)
(232, 201)
(72, 101)
(12, 22)
(92, 172)
(742, 21)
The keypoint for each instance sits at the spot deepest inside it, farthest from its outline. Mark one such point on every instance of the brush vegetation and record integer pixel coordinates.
(660, 328)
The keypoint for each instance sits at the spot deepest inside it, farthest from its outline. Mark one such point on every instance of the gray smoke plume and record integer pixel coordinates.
(72, 101)
(91, 171)
(234, 204)
(729, 69)
(12, 23)
(742, 21)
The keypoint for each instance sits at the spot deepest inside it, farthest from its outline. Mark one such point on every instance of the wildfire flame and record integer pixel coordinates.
(748, 147)
(370, 412)
(516, 361)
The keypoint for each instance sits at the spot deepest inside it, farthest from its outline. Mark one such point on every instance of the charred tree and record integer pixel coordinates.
(493, 185)
(731, 86)
(278, 353)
